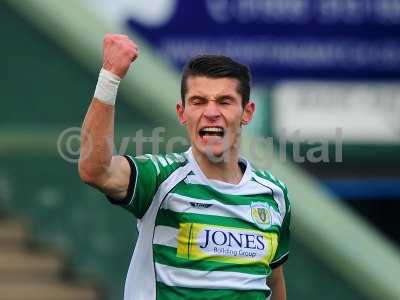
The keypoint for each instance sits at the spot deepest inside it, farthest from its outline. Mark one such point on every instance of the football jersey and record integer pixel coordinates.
(201, 238)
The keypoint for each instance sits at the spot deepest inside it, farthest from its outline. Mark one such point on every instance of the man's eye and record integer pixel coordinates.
(225, 101)
(197, 101)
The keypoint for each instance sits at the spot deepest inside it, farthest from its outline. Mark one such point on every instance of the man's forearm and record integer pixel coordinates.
(96, 141)
(279, 292)
(277, 284)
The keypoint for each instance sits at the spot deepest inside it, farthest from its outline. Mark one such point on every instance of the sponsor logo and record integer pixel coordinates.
(200, 205)
(261, 214)
(226, 244)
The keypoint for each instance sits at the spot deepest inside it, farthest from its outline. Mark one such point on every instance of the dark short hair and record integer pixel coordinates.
(217, 66)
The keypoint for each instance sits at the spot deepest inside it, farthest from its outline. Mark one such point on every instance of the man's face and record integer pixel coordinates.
(213, 114)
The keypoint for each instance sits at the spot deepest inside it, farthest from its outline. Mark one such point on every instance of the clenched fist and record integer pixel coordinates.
(118, 53)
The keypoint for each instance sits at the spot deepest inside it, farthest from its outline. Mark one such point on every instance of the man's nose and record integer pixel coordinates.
(212, 110)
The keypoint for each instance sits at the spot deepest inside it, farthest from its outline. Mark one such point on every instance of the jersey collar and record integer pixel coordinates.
(218, 184)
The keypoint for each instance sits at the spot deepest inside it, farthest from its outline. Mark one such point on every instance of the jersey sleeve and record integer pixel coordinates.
(147, 173)
(282, 252)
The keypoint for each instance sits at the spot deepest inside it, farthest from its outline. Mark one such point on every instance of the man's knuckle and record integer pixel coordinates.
(127, 50)
(109, 36)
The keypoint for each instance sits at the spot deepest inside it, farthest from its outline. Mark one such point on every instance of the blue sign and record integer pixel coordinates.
(353, 39)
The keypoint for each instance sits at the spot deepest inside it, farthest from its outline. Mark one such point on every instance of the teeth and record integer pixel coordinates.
(212, 129)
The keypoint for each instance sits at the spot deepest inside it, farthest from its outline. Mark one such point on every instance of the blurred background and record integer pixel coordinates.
(327, 91)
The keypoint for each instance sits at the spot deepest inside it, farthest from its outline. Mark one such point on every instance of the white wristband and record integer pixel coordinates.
(107, 87)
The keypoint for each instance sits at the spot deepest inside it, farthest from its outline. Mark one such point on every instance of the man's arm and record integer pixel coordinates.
(97, 166)
(277, 284)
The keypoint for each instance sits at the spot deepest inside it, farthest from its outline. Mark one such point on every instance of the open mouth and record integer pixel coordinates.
(212, 131)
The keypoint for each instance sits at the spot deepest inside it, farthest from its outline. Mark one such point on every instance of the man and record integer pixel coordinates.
(210, 225)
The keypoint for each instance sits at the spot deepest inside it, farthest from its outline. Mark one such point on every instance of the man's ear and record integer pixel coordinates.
(180, 109)
(248, 113)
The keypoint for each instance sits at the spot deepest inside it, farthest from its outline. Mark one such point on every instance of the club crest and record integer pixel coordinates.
(261, 214)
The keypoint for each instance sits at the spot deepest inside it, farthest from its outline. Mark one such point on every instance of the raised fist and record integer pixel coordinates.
(118, 53)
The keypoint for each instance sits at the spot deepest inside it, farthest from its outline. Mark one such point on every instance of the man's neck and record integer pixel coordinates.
(225, 168)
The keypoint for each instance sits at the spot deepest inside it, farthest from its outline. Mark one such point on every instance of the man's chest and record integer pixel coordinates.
(212, 226)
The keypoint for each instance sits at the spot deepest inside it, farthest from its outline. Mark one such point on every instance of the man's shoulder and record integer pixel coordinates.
(164, 159)
(267, 176)
(163, 163)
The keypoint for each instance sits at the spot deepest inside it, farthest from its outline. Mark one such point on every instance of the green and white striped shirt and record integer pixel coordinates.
(200, 238)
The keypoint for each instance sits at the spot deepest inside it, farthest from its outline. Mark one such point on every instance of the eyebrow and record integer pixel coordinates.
(219, 97)
(225, 96)
(197, 97)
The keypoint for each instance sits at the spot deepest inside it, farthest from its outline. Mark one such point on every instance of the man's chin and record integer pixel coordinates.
(215, 153)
